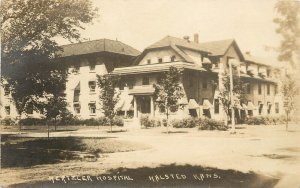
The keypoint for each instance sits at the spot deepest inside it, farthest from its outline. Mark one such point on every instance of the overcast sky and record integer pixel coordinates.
(140, 23)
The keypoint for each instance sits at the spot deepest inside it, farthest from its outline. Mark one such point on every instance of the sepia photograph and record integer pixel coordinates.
(160, 93)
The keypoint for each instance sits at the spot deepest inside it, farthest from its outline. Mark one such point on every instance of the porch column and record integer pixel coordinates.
(135, 107)
(151, 106)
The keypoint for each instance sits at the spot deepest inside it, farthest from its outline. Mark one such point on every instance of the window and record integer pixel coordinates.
(7, 110)
(260, 107)
(248, 88)
(160, 60)
(268, 89)
(131, 83)
(259, 88)
(204, 84)
(269, 107)
(277, 108)
(148, 61)
(77, 108)
(92, 107)
(145, 80)
(216, 106)
(92, 66)
(173, 58)
(76, 95)
(92, 86)
(6, 89)
(268, 72)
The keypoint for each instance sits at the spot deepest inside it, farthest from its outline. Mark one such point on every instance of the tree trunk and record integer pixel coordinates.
(48, 130)
(55, 124)
(287, 121)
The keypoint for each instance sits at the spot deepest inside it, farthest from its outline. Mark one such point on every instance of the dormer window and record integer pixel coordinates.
(160, 60)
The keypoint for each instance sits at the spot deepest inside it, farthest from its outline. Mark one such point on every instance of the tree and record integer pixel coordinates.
(28, 47)
(109, 96)
(290, 91)
(168, 91)
(288, 26)
(224, 94)
(288, 22)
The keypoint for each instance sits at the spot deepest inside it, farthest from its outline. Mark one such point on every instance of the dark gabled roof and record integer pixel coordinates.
(95, 46)
(169, 40)
(219, 47)
(214, 48)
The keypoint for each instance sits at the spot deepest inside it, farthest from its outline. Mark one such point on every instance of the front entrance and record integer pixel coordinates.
(144, 102)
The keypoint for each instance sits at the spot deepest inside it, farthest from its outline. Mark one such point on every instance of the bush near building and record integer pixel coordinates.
(102, 121)
(201, 123)
(147, 122)
(265, 120)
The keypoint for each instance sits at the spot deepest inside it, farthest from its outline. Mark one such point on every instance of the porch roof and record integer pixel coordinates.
(255, 77)
(159, 67)
(141, 91)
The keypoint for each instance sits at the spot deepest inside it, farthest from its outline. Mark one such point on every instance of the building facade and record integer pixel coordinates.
(202, 66)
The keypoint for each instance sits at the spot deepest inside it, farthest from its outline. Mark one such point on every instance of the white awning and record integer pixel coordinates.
(207, 105)
(182, 101)
(245, 107)
(251, 106)
(128, 103)
(193, 104)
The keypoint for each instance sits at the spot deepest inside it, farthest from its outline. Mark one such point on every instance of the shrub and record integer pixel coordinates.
(184, 123)
(210, 124)
(118, 121)
(32, 121)
(147, 122)
(7, 121)
(265, 120)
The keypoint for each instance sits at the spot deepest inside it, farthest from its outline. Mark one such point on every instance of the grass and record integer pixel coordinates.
(27, 152)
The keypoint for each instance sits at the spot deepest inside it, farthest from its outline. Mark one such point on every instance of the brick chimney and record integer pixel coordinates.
(196, 38)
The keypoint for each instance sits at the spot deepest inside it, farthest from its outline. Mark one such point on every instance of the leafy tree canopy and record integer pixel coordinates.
(28, 45)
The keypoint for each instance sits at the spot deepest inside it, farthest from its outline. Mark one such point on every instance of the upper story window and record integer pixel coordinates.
(204, 84)
(7, 110)
(268, 89)
(92, 86)
(268, 72)
(131, 83)
(6, 89)
(259, 88)
(160, 60)
(92, 66)
(148, 61)
(145, 80)
(275, 89)
(248, 88)
(277, 108)
(173, 58)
